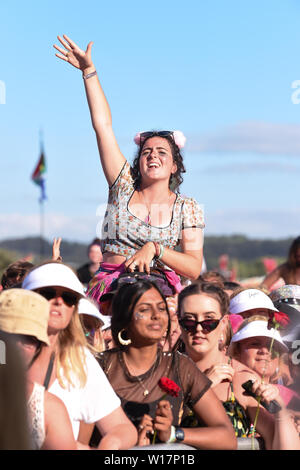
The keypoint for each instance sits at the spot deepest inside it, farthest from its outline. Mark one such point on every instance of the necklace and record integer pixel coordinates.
(147, 219)
(140, 381)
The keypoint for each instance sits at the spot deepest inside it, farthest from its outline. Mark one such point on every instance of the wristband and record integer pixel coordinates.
(157, 249)
(162, 249)
(89, 75)
(172, 437)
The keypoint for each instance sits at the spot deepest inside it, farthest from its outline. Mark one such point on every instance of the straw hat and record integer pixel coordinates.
(249, 299)
(25, 313)
(53, 274)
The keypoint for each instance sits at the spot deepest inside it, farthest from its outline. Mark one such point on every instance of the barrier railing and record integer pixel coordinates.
(244, 443)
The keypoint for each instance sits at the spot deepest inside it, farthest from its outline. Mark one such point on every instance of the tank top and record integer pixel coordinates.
(36, 414)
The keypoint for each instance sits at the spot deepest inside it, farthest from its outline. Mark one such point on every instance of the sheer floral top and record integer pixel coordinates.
(140, 394)
(123, 233)
(37, 415)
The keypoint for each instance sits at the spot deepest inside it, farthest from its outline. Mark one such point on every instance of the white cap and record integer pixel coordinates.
(53, 274)
(257, 328)
(87, 307)
(249, 299)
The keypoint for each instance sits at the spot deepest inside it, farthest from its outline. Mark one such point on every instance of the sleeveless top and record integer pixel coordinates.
(131, 389)
(123, 233)
(37, 415)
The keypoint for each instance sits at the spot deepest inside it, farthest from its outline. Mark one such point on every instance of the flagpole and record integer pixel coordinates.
(42, 228)
(41, 202)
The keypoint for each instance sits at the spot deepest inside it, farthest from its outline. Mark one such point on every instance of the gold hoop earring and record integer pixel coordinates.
(124, 342)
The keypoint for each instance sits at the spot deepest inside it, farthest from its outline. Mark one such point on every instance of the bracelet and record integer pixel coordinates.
(89, 75)
(172, 437)
(162, 249)
(159, 250)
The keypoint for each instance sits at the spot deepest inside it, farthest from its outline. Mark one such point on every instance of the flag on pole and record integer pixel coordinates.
(38, 175)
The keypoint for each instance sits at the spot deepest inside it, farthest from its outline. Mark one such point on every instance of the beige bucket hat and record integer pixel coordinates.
(24, 312)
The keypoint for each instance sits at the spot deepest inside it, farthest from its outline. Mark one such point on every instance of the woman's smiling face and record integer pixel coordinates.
(156, 159)
(254, 353)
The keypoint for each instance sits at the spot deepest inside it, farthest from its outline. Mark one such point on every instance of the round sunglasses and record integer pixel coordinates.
(190, 325)
(49, 293)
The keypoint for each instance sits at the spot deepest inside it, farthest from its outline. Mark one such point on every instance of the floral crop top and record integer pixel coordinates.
(123, 233)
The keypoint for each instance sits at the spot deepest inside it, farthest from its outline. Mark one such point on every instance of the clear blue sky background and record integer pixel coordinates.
(220, 71)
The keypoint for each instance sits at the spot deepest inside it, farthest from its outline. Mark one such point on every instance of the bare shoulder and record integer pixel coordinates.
(242, 373)
(53, 404)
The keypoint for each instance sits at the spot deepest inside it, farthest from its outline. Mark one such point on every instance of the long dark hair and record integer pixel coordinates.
(207, 288)
(292, 253)
(175, 179)
(123, 305)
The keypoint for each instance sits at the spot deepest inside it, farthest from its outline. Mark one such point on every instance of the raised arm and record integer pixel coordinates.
(112, 159)
(272, 277)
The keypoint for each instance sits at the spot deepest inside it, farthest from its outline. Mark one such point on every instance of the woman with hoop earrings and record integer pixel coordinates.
(140, 318)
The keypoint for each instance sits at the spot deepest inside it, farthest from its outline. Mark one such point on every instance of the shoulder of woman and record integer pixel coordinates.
(185, 361)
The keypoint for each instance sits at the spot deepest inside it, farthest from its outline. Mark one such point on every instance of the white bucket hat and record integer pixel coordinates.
(53, 274)
(249, 299)
(258, 328)
(87, 307)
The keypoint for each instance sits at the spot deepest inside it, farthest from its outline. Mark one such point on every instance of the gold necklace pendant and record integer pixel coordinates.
(146, 393)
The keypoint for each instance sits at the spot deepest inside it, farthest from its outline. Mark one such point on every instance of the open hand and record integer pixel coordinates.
(73, 54)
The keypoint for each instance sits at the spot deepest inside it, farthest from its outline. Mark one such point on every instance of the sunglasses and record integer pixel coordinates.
(146, 135)
(190, 325)
(69, 298)
(137, 277)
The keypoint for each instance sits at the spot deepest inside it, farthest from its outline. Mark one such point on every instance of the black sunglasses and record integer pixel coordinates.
(68, 297)
(190, 325)
(146, 135)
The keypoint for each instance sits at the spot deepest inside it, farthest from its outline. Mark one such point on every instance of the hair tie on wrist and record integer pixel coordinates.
(89, 75)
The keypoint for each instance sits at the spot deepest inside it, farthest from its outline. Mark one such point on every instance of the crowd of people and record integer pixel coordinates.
(139, 346)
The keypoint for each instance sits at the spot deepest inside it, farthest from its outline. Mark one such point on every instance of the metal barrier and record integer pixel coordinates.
(244, 443)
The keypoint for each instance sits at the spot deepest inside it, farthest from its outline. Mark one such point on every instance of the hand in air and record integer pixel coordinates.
(56, 249)
(73, 54)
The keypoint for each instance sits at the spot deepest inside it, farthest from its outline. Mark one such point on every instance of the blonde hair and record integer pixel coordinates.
(70, 353)
(71, 343)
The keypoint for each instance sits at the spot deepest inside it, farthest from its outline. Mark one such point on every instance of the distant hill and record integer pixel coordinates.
(237, 247)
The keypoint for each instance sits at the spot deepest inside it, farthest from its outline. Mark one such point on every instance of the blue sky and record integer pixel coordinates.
(220, 71)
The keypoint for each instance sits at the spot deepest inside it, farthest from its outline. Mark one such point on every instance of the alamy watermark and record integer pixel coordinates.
(117, 221)
(296, 354)
(2, 92)
(2, 353)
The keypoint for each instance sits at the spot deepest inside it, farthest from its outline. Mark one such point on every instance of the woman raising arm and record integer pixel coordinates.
(145, 218)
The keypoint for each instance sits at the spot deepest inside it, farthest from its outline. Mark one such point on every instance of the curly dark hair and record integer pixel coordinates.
(176, 179)
(123, 305)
